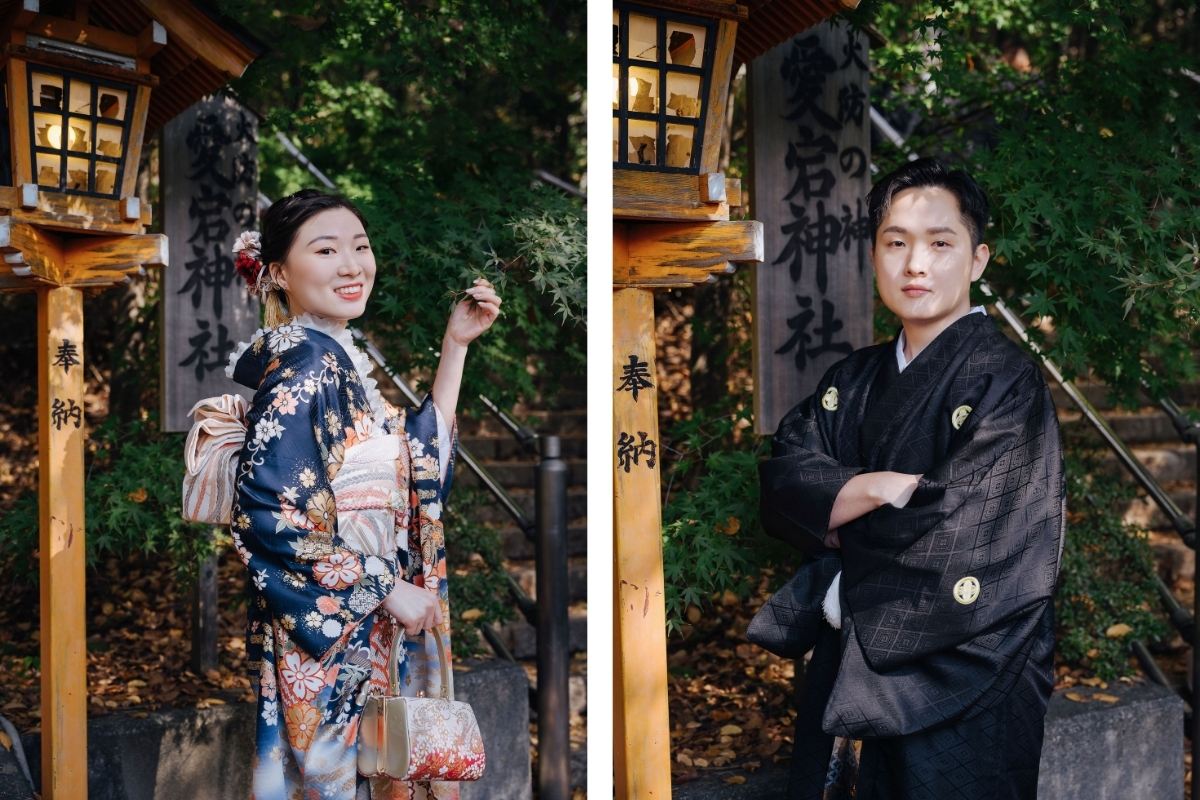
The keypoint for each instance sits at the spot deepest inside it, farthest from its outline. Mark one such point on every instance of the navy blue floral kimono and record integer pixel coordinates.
(315, 644)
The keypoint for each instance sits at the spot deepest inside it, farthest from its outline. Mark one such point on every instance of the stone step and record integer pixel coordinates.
(517, 547)
(497, 448)
(521, 638)
(1097, 394)
(525, 574)
(1145, 513)
(1168, 462)
(567, 400)
(517, 474)
(1174, 559)
(561, 422)
(1147, 427)
(523, 496)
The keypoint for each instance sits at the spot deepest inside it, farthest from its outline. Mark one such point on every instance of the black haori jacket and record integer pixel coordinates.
(947, 602)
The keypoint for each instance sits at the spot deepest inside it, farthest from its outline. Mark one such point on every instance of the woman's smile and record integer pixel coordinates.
(351, 292)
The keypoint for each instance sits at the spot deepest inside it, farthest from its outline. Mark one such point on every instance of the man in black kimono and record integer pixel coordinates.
(925, 478)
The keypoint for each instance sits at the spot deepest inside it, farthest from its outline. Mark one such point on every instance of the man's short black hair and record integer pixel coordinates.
(972, 202)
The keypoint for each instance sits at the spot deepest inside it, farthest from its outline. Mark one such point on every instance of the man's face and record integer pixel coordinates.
(924, 262)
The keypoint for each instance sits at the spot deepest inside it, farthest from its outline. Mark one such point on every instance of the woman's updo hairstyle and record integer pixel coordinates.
(280, 225)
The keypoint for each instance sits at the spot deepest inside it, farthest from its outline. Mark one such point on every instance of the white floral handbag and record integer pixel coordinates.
(419, 738)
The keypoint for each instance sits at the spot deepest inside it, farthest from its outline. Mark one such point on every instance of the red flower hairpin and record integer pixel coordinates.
(248, 263)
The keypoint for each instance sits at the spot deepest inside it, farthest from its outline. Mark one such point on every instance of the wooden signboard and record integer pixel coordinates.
(810, 174)
(209, 196)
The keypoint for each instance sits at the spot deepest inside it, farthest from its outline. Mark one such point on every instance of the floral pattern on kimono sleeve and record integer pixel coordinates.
(308, 409)
(423, 560)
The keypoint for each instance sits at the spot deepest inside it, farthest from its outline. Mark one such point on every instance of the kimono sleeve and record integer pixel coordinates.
(305, 415)
(949, 598)
(431, 450)
(802, 479)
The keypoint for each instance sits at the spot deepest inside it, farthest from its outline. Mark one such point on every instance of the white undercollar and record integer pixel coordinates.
(901, 362)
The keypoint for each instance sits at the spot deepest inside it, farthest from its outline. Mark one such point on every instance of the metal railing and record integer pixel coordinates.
(548, 614)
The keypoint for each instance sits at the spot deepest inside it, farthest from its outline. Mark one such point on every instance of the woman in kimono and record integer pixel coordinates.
(337, 506)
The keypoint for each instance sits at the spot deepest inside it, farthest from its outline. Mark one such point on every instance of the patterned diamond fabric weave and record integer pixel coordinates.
(989, 505)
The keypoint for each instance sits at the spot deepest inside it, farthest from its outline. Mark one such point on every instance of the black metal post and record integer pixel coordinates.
(1195, 642)
(204, 618)
(554, 734)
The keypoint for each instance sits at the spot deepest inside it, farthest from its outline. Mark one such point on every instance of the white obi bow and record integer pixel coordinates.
(213, 446)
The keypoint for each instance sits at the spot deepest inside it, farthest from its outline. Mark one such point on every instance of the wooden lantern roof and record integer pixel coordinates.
(203, 50)
(773, 22)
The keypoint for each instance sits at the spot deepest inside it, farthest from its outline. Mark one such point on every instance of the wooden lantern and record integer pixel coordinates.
(671, 70)
(672, 65)
(80, 92)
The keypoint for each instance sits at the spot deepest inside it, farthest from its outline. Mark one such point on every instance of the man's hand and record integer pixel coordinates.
(415, 608)
(864, 493)
(895, 488)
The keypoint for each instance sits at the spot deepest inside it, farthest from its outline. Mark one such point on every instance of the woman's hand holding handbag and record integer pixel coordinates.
(419, 738)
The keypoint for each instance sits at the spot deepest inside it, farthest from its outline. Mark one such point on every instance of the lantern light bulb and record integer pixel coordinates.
(54, 136)
(633, 87)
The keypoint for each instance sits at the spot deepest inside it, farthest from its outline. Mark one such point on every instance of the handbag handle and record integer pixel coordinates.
(394, 662)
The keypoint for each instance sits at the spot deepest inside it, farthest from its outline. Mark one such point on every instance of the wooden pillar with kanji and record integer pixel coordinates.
(81, 91)
(671, 69)
(61, 541)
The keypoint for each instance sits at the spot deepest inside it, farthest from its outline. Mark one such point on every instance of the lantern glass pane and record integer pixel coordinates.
(616, 138)
(616, 86)
(106, 178)
(683, 95)
(48, 170)
(47, 91)
(643, 142)
(48, 128)
(643, 90)
(108, 140)
(616, 32)
(110, 103)
(77, 174)
(79, 138)
(679, 145)
(81, 98)
(643, 37)
(685, 44)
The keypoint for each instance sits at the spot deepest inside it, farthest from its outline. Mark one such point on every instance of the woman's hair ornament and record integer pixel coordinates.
(249, 264)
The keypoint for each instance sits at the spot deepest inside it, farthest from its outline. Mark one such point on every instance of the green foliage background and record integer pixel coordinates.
(1089, 158)
(432, 116)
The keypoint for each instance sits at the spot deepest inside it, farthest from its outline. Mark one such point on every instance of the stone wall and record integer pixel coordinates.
(206, 754)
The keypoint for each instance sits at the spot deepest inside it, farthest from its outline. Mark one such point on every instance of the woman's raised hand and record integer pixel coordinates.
(474, 315)
(414, 607)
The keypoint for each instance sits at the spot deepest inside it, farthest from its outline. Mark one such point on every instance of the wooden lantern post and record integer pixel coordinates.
(671, 71)
(78, 103)
(672, 64)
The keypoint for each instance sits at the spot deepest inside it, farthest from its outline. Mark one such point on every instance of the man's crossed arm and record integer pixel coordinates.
(864, 493)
